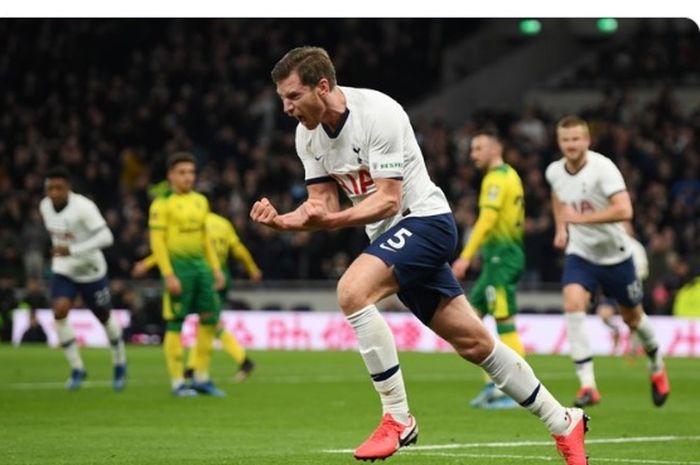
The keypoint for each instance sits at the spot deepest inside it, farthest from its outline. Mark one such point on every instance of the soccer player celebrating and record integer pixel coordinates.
(363, 141)
(498, 233)
(78, 233)
(590, 203)
(191, 272)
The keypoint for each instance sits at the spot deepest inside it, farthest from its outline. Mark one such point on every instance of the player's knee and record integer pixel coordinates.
(474, 350)
(572, 305)
(631, 317)
(60, 309)
(350, 298)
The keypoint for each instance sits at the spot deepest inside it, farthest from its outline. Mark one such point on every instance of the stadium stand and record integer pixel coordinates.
(112, 98)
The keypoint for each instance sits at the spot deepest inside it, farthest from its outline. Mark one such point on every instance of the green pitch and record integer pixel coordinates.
(313, 408)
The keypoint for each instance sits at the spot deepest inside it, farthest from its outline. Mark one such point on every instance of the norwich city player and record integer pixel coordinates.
(224, 239)
(191, 272)
(498, 233)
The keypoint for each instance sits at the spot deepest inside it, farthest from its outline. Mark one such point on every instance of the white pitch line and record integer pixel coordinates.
(267, 379)
(475, 445)
(294, 379)
(558, 459)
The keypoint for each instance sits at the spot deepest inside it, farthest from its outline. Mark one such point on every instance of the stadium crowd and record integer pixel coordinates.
(110, 99)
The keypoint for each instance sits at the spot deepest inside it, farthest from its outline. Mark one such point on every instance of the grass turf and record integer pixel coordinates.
(298, 405)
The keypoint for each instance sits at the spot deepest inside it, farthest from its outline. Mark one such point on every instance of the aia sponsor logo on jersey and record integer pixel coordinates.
(583, 207)
(357, 183)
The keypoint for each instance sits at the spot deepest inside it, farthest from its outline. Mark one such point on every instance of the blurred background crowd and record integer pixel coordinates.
(111, 99)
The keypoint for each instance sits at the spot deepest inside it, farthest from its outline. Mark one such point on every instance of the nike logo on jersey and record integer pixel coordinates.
(318, 158)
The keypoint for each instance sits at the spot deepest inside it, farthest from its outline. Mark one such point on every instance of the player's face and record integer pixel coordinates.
(302, 102)
(573, 142)
(483, 150)
(182, 177)
(57, 190)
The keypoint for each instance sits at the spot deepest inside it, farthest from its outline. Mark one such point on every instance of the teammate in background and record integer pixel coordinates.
(498, 234)
(224, 239)
(606, 309)
(78, 233)
(363, 141)
(590, 202)
(191, 272)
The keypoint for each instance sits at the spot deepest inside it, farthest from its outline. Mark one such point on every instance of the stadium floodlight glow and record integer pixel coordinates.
(530, 27)
(607, 25)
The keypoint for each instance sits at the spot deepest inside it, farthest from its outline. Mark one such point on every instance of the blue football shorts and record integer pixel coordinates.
(419, 250)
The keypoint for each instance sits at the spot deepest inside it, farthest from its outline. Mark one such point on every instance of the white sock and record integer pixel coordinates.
(580, 347)
(176, 383)
(66, 337)
(114, 334)
(514, 376)
(378, 350)
(647, 337)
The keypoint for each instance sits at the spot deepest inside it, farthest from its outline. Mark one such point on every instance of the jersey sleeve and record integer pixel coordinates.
(209, 250)
(157, 221)
(493, 189)
(611, 181)
(549, 174)
(314, 172)
(157, 217)
(386, 143)
(92, 218)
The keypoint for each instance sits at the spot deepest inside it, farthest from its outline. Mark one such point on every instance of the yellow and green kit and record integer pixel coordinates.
(179, 242)
(498, 233)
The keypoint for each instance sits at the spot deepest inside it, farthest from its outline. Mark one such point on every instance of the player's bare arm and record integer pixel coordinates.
(60, 251)
(219, 280)
(460, 267)
(620, 209)
(561, 235)
(172, 283)
(322, 199)
(483, 226)
(383, 203)
(140, 269)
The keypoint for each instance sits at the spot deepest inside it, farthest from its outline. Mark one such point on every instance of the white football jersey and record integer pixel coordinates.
(77, 221)
(590, 190)
(375, 141)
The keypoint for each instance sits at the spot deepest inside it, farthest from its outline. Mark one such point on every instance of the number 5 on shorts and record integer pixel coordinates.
(397, 241)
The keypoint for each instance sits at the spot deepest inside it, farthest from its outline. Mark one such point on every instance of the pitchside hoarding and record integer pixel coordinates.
(541, 334)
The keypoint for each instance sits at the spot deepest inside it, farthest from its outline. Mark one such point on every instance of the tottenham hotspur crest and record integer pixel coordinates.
(356, 149)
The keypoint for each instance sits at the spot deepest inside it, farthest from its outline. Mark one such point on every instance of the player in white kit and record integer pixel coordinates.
(590, 203)
(78, 233)
(362, 141)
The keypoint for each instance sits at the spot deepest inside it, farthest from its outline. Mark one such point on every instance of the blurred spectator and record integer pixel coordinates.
(34, 298)
(8, 303)
(35, 244)
(687, 303)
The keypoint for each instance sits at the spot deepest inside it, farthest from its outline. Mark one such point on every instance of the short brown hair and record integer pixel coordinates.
(180, 157)
(311, 64)
(489, 132)
(571, 121)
